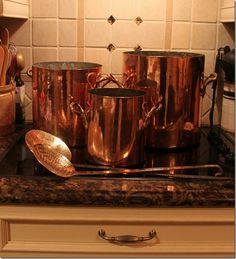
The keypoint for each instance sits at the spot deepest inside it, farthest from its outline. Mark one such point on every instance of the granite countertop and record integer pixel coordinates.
(119, 192)
(116, 192)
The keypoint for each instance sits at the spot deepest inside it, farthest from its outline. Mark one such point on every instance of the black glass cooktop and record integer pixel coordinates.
(216, 147)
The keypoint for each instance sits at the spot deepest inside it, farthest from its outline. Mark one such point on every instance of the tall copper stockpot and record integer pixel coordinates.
(115, 120)
(55, 85)
(178, 78)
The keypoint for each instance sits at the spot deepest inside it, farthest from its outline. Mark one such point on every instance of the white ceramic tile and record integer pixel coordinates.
(28, 89)
(80, 56)
(21, 35)
(68, 33)
(227, 3)
(206, 105)
(168, 35)
(151, 35)
(182, 10)
(44, 32)
(205, 11)
(30, 8)
(97, 9)
(68, 54)
(44, 8)
(180, 35)
(44, 54)
(226, 35)
(80, 9)
(203, 36)
(205, 119)
(125, 9)
(97, 33)
(100, 56)
(125, 34)
(80, 33)
(210, 58)
(152, 10)
(117, 58)
(68, 9)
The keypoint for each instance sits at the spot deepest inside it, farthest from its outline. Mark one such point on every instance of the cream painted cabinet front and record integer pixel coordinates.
(14, 8)
(227, 11)
(28, 231)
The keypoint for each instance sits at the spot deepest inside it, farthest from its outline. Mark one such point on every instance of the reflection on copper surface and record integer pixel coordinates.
(116, 122)
(112, 132)
(170, 188)
(172, 164)
(54, 84)
(177, 77)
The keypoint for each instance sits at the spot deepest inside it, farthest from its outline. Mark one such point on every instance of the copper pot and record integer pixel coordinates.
(115, 121)
(178, 78)
(55, 84)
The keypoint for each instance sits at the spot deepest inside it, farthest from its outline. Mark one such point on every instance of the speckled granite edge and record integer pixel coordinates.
(116, 192)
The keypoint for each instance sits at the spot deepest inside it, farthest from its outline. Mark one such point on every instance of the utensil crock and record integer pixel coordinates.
(8, 109)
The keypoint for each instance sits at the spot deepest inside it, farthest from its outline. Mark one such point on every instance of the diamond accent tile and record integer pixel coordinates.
(138, 20)
(138, 47)
(111, 47)
(111, 19)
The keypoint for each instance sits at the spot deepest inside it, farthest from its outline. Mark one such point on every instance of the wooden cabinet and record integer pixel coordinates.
(227, 11)
(28, 231)
(14, 8)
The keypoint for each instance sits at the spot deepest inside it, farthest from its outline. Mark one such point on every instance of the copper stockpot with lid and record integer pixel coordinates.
(177, 77)
(55, 85)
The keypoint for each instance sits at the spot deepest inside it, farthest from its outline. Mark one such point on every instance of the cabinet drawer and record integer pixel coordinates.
(77, 235)
(227, 11)
(14, 8)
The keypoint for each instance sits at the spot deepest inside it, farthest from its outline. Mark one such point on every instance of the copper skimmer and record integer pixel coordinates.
(55, 156)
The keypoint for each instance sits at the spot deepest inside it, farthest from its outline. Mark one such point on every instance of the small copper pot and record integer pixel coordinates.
(115, 121)
(55, 84)
(178, 78)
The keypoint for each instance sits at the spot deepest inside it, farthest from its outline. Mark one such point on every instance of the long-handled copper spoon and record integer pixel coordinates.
(49, 151)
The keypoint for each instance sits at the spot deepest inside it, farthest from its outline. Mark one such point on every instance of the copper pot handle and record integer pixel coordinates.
(101, 82)
(130, 79)
(127, 238)
(148, 114)
(93, 78)
(206, 80)
(75, 107)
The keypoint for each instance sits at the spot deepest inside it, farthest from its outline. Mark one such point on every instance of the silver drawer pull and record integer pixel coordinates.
(126, 238)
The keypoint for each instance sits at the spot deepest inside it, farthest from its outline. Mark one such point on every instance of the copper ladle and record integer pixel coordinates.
(55, 156)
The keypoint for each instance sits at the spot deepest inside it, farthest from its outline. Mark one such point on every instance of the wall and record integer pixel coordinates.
(99, 31)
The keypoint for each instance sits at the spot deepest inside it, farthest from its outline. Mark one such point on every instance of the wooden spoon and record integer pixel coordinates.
(4, 36)
(2, 56)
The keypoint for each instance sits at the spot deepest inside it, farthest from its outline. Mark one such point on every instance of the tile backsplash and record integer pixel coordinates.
(100, 31)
